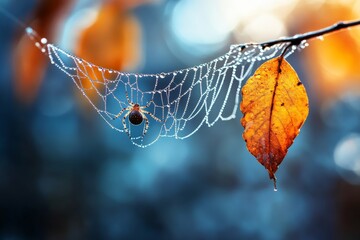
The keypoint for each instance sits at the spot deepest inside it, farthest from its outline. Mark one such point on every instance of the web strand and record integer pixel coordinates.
(182, 100)
(177, 104)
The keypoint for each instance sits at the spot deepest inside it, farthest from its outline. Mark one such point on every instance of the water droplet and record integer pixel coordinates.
(43, 41)
(162, 75)
(321, 38)
(29, 30)
(275, 187)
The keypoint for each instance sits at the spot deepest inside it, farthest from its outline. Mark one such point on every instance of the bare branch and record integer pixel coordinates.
(298, 38)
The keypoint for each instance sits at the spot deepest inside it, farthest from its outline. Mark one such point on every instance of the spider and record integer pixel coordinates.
(136, 114)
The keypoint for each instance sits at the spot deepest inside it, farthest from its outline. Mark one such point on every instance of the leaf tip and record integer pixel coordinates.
(273, 177)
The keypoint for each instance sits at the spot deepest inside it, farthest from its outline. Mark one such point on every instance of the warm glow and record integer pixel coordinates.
(271, 28)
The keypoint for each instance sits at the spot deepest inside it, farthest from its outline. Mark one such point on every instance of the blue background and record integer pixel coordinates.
(65, 174)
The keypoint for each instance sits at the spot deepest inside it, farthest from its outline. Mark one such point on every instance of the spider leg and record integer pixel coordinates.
(151, 115)
(124, 123)
(148, 104)
(128, 99)
(146, 126)
(121, 112)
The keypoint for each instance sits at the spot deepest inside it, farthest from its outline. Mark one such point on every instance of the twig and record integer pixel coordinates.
(297, 39)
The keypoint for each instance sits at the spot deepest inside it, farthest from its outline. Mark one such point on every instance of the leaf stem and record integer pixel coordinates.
(298, 38)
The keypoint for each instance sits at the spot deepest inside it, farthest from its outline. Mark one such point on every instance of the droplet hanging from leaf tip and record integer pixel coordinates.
(275, 187)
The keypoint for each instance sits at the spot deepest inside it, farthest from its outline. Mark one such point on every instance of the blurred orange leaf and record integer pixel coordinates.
(30, 63)
(275, 106)
(112, 41)
(29, 69)
(334, 61)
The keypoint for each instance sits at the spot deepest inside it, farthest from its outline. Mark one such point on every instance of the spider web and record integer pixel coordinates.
(183, 100)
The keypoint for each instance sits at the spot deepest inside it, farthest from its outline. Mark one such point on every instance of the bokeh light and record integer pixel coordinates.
(347, 158)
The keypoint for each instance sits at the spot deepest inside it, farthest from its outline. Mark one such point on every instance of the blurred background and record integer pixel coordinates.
(65, 174)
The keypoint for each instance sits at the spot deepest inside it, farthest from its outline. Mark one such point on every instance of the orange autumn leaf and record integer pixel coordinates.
(275, 106)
